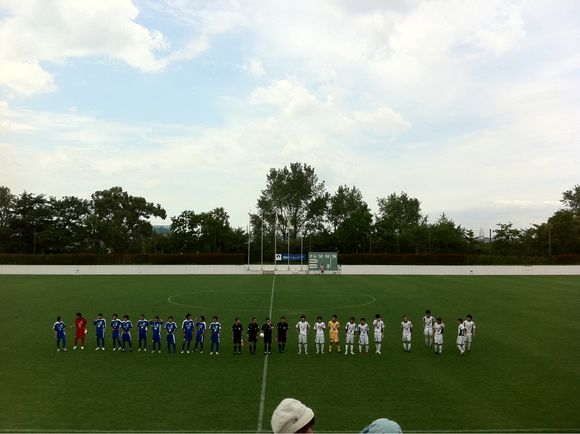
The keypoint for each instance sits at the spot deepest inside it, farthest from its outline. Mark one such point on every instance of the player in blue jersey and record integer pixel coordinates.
(200, 336)
(142, 326)
(156, 325)
(187, 327)
(215, 328)
(126, 326)
(170, 327)
(116, 328)
(100, 325)
(59, 333)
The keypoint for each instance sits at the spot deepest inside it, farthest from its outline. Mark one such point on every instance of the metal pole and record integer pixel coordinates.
(275, 249)
(288, 232)
(549, 241)
(262, 246)
(301, 250)
(249, 239)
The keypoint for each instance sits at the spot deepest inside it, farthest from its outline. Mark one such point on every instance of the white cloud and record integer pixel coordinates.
(255, 68)
(36, 31)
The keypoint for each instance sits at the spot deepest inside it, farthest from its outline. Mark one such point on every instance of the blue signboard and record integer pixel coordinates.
(294, 257)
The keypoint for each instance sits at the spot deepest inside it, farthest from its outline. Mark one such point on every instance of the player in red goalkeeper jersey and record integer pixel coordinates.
(81, 330)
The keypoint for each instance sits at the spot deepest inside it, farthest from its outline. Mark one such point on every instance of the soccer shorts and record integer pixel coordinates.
(428, 331)
(237, 340)
(439, 339)
(349, 339)
(126, 337)
(468, 337)
(302, 339)
(156, 338)
(333, 337)
(282, 339)
(378, 337)
(363, 339)
(406, 337)
(170, 339)
(199, 338)
(188, 337)
(319, 338)
(253, 339)
(460, 340)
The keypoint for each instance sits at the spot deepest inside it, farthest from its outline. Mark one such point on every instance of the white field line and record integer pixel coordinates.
(265, 371)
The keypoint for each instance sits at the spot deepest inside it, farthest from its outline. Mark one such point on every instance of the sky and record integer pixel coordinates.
(473, 107)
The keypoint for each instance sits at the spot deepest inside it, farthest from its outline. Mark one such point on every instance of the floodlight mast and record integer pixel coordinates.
(249, 238)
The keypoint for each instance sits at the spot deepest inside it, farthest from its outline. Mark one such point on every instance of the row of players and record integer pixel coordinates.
(122, 339)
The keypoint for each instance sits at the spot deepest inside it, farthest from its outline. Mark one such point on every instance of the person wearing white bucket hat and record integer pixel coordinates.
(291, 416)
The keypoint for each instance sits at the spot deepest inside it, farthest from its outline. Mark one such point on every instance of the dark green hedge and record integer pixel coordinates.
(239, 259)
(454, 259)
(128, 259)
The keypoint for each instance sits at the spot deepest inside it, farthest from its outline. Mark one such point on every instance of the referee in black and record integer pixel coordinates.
(237, 330)
(267, 330)
(253, 330)
(282, 328)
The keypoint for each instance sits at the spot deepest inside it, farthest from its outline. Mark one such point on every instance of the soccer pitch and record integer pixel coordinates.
(522, 375)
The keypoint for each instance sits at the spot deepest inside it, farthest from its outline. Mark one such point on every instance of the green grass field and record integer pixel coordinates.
(523, 373)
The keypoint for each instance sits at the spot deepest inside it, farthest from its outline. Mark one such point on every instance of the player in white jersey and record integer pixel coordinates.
(379, 327)
(319, 326)
(438, 329)
(302, 328)
(428, 323)
(350, 329)
(363, 336)
(407, 329)
(460, 336)
(469, 332)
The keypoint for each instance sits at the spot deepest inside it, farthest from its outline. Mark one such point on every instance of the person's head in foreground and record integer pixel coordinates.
(291, 416)
(383, 425)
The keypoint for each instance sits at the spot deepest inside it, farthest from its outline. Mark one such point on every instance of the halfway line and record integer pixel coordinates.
(265, 372)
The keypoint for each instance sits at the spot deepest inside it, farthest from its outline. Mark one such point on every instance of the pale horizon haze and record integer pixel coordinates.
(471, 107)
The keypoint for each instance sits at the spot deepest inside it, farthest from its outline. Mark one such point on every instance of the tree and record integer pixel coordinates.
(561, 234)
(506, 240)
(571, 199)
(6, 212)
(399, 223)
(205, 232)
(350, 218)
(69, 230)
(446, 237)
(295, 198)
(119, 221)
(30, 219)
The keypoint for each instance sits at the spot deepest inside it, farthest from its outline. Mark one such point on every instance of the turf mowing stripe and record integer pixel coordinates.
(265, 372)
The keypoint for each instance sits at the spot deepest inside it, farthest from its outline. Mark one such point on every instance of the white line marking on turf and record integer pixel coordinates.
(265, 372)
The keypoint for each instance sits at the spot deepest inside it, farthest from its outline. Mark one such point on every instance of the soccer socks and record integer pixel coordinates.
(378, 347)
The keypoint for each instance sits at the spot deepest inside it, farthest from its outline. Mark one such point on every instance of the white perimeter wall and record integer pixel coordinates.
(443, 270)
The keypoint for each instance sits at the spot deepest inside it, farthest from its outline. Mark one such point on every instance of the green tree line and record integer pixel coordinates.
(294, 207)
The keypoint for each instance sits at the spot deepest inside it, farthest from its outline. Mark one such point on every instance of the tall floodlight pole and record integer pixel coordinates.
(301, 250)
(288, 239)
(262, 245)
(249, 239)
(275, 249)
